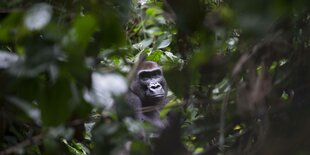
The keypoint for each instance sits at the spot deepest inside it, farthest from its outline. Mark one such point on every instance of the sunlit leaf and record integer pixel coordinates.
(154, 31)
(153, 11)
(142, 2)
(155, 56)
(31, 111)
(284, 96)
(38, 16)
(143, 44)
(104, 87)
(60, 131)
(165, 43)
(170, 105)
(171, 56)
(7, 58)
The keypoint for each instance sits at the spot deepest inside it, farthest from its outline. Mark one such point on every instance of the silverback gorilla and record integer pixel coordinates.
(148, 92)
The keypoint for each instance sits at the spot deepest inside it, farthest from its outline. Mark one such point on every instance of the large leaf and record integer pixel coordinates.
(155, 56)
(9, 24)
(57, 103)
(79, 36)
(176, 81)
(38, 16)
(165, 43)
(143, 44)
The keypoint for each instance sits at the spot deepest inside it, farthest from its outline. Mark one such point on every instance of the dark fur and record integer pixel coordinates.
(139, 96)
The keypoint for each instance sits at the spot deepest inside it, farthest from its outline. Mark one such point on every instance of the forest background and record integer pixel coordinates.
(238, 73)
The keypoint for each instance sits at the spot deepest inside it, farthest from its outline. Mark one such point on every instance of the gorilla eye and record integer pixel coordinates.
(157, 73)
(145, 75)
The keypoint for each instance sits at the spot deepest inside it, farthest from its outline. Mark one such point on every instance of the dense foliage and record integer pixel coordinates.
(238, 74)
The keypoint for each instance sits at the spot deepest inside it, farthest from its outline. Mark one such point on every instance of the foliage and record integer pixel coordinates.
(237, 71)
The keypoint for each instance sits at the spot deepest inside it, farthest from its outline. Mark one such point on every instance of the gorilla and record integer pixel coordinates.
(147, 93)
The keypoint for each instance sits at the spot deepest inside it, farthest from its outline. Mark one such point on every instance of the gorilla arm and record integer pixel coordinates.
(135, 103)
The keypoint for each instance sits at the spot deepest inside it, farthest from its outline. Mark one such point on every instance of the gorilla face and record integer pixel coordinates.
(152, 82)
(149, 84)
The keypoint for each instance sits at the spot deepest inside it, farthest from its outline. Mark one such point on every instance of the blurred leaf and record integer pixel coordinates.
(175, 80)
(189, 14)
(143, 44)
(57, 103)
(60, 131)
(31, 111)
(77, 148)
(38, 16)
(79, 36)
(111, 28)
(155, 56)
(165, 43)
(154, 31)
(104, 88)
(7, 58)
(153, 11)
(139, 147)
(133, 126)
(171, 56)
(170, 105)
(53, 146)
(8, 26)
(109, 138)
(39, 58)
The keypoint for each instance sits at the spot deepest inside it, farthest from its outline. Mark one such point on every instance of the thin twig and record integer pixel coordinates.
(222, 122)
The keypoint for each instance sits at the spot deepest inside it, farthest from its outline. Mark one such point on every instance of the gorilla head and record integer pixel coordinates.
(148, 88)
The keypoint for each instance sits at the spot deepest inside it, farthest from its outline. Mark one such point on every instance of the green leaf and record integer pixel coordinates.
(165, 43)
(31, 111)
(176, 80)
(171, 56)
(56, 103)
(76, 148)
(170, 105)
(9, 25)
(284, 96)
(139, 147)
(143, 44)
(155, 56)
(76, 40)
(154, 31)
(153, 11)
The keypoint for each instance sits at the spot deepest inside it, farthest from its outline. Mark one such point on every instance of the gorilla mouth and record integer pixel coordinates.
(156, 96)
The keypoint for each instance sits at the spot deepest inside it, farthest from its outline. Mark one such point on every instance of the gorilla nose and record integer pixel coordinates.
(155, 86)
